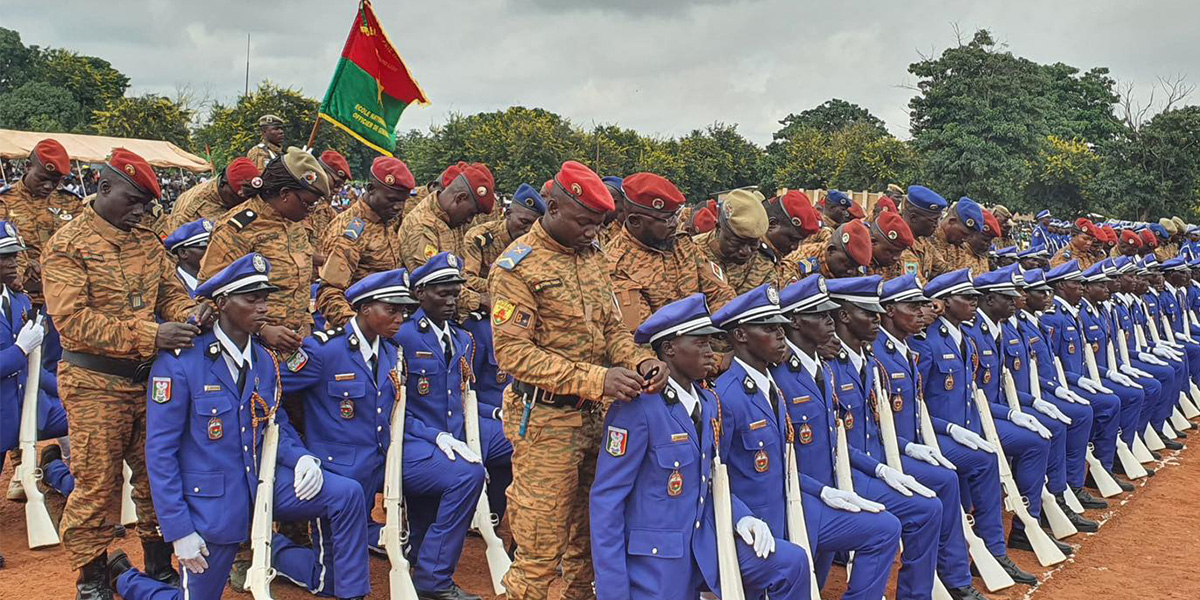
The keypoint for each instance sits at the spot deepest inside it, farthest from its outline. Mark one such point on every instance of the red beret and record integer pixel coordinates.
(1110, 234)
(704, 219)
(1129, 237)
(135, 170)
(337, 163)
(53, 156)
(1086, 226)
(241, 172)
(800, 211)
(991, 227)
(886, 204)
(854, 239)
(393, 173)
(1149, 238)
(895, 229)
(479, 178)
(856, 211)
(585, 187)
(546, 187)
(652, 191)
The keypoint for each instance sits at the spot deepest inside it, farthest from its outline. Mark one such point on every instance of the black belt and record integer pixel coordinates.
(541, 396)
(135, 371)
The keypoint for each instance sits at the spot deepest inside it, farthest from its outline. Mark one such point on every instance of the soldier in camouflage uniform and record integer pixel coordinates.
(105, 279)
(649, 263)
(560, 335)
(945, 253)
(735, 244)
(270, 224)
(487, 241)
(920, 208)
(441, 221)
(215, 197)
(890, 238)
(846, 254)
(318, 219)
(1080, 246)
(835, 210)
(791, 219)
(976, 252)
(1167, 246)
(360, 241)
(271, 145)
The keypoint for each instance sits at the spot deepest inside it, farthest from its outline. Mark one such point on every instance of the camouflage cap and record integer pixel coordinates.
(270, 121)
(742, 211)
(307, 171)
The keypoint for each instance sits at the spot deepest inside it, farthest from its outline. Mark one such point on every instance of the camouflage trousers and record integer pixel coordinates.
(553, 466)
(106, 418)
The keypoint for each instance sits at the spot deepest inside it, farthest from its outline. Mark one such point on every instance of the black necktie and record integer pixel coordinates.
(373, 364)
(820, 379)
(5, 307)
(446, 351)
(696, 418)
(773, 398)
(241, 380)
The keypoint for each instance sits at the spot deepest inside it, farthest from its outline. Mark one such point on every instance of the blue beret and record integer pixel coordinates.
(442, 267)
(759, 306)
(250, 273)
(10, 243)
(385, 286)
(970, 213)
(926, 199)
(838, 198)
(529, 198)
(614, 181)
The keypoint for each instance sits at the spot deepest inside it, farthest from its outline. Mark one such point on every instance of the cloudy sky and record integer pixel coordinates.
(659, 66)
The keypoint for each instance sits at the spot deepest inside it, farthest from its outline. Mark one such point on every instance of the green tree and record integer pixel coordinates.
(830, 116)
(15, 60)
(93, 81)
(716, 158)
(40, 106)
(854, 157)
(1154, 171)
(1063, 176)
(150, 117)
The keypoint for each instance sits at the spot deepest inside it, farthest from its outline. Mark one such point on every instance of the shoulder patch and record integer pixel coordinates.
(513, 256)
(297, 360)
(354, 229)
(617, 442)
(484, 240)
(243, 219)
(160, 390)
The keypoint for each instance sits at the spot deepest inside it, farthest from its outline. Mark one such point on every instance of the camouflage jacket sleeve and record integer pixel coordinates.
(631, 297)
(336, 273)
(66, 285)
(620, 347)
(224, 247)
(515, 322)
(716, 290)
(174, 303)
(473, 258)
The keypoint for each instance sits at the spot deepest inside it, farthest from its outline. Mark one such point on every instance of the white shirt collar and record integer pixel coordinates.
(4, 294)
(442, 332)
(900, 345)
(687, 397)
(1071, 310)
(809, 362)
(761, 379)
(856, 357)
(368, 350)
(993, 327)
(232, 355)
(187, 278)
(1170, 288)
(955, 333)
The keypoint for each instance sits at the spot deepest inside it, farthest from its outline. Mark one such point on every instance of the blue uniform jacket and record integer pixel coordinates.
(490, 381)
(435, 388)
(1168, 305)
(855, 394)
(903, 385)
(1015, 352)
(651, 505)
(14, 372)
(1096, 326)
(752, 445)
(945, 369)
(1040, 238)
(988, 369)
(1064, 339)
(202, 447)
(1035, 339)
(813, 419)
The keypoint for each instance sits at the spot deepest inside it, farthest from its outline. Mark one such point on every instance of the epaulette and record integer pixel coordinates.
(748, 385)
(354, 229)
(767, 252)
(513, 256)
(891, 347)
(423, 325)
(484, 240)
(920, 336)
(328, 334)
(945, 330)
(243, 219)
(842, 356)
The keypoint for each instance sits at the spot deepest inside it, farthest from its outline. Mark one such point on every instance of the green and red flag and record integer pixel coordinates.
(371, 86)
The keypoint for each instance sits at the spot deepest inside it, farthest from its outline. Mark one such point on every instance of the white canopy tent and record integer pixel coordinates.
(96, 148)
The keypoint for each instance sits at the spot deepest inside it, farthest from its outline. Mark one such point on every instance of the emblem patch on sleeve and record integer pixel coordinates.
(430, 251)
(160, 390)
(502, 311)
(618, 439)
(297, 360)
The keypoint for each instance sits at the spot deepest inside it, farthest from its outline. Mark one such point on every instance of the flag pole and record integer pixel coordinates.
(312, 137)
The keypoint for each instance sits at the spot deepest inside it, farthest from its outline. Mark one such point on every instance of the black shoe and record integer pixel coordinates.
(1, 561)
(1018, 540)
(1155, 455)
(117, 565)
(1088, 500)
(92, 583)
(157, 555)
(1125, 485)
(1180, 433)
(1172, 444)
(50, 454)
(1015, 572)
(966, 593)
(451, 593)
(1083, 524)
(1066, 548)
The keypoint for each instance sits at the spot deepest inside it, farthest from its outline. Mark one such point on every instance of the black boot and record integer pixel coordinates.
(158, 562)
(1018, 540)
(1172, 444)
(451, 593)
(92, 583)
(1087, 500)
(1155, 455)
(1015, 572)
(117, 565)
(966, 593)
(1082, 524)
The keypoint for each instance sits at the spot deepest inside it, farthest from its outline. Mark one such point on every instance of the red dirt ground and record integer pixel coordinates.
(1146, 548)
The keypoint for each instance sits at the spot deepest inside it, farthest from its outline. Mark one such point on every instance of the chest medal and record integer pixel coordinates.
(423, 386)
(987, 376)
(346, 408)
(949, 381)
(1016, 364)
(216, 430)
(806, 434)
(897, 403)
(675, 483)
(761, 461)
(1071, 348)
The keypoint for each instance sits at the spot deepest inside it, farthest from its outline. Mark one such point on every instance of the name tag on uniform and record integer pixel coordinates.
(679, 437)
(1013, 342)
(1034, 340)
(758, 424)
(1093, 327)
(801, 399)
(987, 352)
(898, 375)
(212, 388)
(847, 387)
(1069, 328)
(947, 357)
(423, 354)
(343, 377)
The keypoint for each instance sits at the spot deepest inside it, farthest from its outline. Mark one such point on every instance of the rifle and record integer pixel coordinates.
(260, 573)
(994, 576)
(1047, 553)
(1060, 525)
(39, 527)
(1133, 468)
(797, 529)
(1120, 358)
(1190, 401)
(727, 560)
(497, 558)
(1035, 387)
(400, 584)
(1104, 480)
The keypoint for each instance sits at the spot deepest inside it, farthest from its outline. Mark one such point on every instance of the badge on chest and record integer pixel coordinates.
(762, 462)
(423, 386)
(806, 434)
(949, 381)
(216, 430)
(346, 408)
(675, 483)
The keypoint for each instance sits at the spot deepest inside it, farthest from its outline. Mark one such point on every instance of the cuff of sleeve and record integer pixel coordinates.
(593, 382)
(145, 332)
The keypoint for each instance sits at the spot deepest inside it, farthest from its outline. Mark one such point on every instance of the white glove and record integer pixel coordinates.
(1021, 419)
(970, 439)
(1121, 379)
(191, 551)
(1149, 358)
(756, 533)
(30, 336)
(309, 478)
(928, 454)
(1062, 392)
(848, 501)
(905, 484)
(1050, 410)
(1079, 399)
(451, 446)
(1089, 385)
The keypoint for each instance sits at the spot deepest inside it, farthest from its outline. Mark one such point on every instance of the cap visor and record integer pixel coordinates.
(768, 320)
(705, 330)
(824, 306)
(444, 280)
(261, 286)
(1006, 292)
(398, 299)
(869, 306)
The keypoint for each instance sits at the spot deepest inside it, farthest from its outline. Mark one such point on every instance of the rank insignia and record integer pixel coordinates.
(949, 381)
(1016, 364)
(758, 424)
(423, 386)
(161, 391)
(849, 421)
(679, 437)
(897, 403)
(297, 360)
(346, 408)
(761, 461)
(910, 267)
(675, 483)
(216, 430)
(806, 434)
(617, 441)
(502, 312)
(987, 376)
